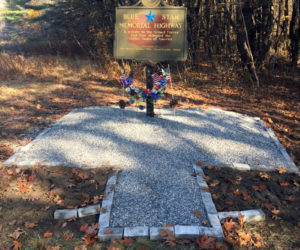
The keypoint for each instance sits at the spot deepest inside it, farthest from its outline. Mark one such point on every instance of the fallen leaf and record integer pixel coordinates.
(31, 224)
(93, 229)
(290, 198)
(258, 240)
(85, 197)
(68, 236)
(197, 214)
(229, 203)
(109, 231)
(102, 183)
(281, 170)
(275, 211)
(48, 234)
(284, 184)
(269, 206)
(83, 228)
(23, 188)
(270, 120)
(112, 248)
(259, 188)
(38, 106)
(89, 239)
(264, 175)
(57, 171)
(232, 182)
(200, 163)
(17, 233)
(214, 183)
(83, 175)
(215, 196)
(206, 178)
(10, 172)
(244, 238)
(127, 241)
(53, 248)
(220, 246)
(229, 224)
(17, 245)
(241, 219)
(206, 242)
(168, 236)
(246, 197)
(217, 169)
(296, 183)
(204, 222)
(236, 192)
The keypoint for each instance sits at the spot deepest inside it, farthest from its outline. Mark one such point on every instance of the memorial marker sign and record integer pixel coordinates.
(151, 34)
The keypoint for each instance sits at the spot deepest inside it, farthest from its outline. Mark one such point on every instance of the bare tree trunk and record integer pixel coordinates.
(295, 33)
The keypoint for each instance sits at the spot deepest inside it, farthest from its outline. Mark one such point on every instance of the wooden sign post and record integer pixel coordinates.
(153, 32)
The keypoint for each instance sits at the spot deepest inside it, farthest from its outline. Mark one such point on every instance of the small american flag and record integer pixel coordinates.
(123, 76)
(166, 73)
(156, 78)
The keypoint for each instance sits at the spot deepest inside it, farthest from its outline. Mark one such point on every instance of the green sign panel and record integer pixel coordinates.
(151, 34)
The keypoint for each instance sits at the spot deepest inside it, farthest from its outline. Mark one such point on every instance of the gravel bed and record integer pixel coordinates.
(155, 154)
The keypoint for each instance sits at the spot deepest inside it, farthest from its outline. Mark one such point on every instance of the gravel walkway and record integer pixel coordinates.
(155, 154)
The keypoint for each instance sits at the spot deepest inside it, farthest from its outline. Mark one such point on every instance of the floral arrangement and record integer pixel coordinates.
(140, 95)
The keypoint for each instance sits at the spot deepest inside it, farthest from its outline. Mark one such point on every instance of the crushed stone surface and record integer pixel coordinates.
(155, 186)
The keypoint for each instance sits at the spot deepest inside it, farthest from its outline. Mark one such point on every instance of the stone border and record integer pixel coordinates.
(253, 215)
(106, 233)
(64, 214)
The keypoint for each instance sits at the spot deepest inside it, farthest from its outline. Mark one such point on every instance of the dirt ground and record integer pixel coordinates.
(29, 198)
(276, 193)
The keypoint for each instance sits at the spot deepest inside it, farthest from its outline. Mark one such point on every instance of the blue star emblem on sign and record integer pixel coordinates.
(150, 17)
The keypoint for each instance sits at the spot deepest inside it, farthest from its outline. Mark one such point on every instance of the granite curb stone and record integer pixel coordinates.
(114, 233)
(89, 210)
(65, 214)
(136, 232)
(253, 215)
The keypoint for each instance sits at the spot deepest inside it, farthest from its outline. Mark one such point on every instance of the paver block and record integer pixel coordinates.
(187, 232)
(136, 232)
(112, 180)
(107, 204)
(214, 221)
(202, 183)
(208, 203)
(106, 234)
(253, 215)
(212, 232)
(104, 219)
(155, 234)
(90, 210)
(64, 214)
(241, 167)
